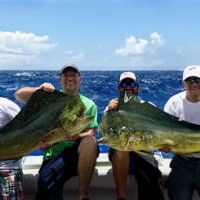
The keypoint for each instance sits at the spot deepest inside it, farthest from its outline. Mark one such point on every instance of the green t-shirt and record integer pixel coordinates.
(57, 148)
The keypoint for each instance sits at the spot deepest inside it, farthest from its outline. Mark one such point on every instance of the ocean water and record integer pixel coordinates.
(101, 86)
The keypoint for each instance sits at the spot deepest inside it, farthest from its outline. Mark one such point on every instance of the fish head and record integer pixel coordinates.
(113, 130)
(127, 128)
(72, 118)
(77, 125)
(114, 138)
(127, 139)
(63, 116)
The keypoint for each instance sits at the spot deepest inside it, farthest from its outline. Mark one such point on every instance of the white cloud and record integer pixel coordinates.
(21, 49)
(132, 47)
(157, 39)
(23, 43)
(138, 47)
(74, 57)
(20, 61)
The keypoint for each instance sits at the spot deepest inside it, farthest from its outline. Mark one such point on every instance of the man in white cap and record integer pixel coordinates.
(77, 154)
(147, 173)
(185, 171)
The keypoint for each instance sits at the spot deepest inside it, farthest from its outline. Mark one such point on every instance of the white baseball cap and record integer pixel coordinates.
(192, 70)
(126, 75)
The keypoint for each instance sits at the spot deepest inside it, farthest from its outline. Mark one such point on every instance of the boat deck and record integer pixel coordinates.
(102, 185)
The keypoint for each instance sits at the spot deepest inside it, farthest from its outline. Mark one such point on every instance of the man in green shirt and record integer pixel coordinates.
(77, 152)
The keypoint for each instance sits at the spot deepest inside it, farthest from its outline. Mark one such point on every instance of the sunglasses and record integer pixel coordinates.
(190, 81)
(131, 84)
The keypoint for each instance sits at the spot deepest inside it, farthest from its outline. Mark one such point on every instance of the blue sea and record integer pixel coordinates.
(101, 86)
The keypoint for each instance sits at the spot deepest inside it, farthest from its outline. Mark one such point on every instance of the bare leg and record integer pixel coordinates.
(87, 160)
(120, 163)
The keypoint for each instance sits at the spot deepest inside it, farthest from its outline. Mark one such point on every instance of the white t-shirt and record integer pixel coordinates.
(180, 107)
(8, 110)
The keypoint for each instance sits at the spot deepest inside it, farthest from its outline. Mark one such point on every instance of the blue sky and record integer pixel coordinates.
(99, 34)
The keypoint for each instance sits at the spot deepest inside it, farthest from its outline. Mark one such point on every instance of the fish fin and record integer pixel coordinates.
(148, 157)
(144, 153)
(127, 96)
(184, 156)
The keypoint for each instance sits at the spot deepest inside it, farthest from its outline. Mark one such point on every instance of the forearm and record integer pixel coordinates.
(24, 94)
(113, 104)
(87, 132)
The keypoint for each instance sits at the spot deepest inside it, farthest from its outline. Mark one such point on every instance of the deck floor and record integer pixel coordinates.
(103, 193)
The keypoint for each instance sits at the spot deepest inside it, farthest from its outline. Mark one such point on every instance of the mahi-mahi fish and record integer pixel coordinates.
(47, 116)
(138, 125)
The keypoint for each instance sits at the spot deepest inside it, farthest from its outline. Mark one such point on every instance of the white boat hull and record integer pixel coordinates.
(102, 185)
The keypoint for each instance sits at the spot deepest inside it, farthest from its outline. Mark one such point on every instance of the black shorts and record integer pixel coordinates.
(56, 171)
(147, 174)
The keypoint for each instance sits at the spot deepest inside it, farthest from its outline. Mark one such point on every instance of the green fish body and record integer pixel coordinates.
(47, 116)
(140, 126)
